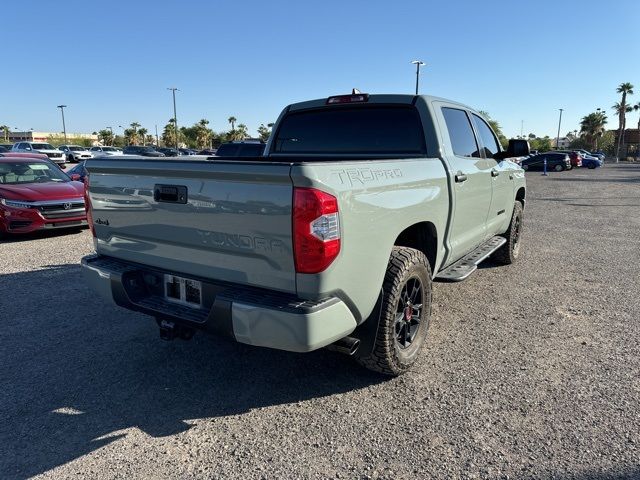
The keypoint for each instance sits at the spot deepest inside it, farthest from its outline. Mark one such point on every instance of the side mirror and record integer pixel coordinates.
(516, 148)
(75, 177)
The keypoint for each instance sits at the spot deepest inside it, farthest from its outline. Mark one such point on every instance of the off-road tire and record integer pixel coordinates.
(509, 252)
(388, 357)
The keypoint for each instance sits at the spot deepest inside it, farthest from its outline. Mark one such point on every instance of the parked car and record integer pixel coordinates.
(600, 154)
(75, 153)
(334, 240)
(144, 151)
(589, 155)
(187, 151)
(45, 148)
(100, 151)
(4, 149)
(575, 157)
(79, 172)
(592, 163)
(8, 146)
(208, 151)
(169, 152)
(36, 195)
(555, 161)
(241, 149)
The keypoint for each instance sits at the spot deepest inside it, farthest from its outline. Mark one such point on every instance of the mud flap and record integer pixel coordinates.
(367, 331)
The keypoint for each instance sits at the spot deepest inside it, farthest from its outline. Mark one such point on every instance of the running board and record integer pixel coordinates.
(469, 263)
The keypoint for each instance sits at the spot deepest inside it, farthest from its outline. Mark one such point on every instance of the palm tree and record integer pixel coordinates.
(636, 108)
(143, 132)
(232, 121)
(592, 127)
(624, 89)
(5, 129)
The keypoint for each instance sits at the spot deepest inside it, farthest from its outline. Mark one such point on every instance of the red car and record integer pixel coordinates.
(575, 157)
(35, 195)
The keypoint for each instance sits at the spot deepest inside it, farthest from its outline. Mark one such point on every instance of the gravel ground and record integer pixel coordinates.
(531, 371)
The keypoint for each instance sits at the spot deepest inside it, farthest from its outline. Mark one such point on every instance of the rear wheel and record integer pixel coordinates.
(509, 252)
(558, 168)
(405, 313)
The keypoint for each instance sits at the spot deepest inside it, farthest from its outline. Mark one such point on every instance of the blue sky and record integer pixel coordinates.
(111, 62)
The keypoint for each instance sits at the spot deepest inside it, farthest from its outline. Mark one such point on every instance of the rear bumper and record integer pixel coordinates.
(252, 316)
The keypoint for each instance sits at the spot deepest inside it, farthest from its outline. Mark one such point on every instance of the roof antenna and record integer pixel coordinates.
(355, 91)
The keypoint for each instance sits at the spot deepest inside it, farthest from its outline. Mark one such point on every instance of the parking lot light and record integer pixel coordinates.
(64, 127)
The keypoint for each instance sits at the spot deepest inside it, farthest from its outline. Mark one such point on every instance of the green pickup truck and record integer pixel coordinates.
(331, 239)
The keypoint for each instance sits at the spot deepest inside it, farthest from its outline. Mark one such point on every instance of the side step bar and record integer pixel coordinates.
(469, 263)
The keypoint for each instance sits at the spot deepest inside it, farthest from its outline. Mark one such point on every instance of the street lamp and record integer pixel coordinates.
(175, 115)
(64, 127)
(558, 136)
(418, 64)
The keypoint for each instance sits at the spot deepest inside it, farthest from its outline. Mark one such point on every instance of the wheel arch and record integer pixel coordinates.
(520, 196)
(422, 236)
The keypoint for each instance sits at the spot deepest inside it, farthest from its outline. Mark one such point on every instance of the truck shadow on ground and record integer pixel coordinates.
(77, 372)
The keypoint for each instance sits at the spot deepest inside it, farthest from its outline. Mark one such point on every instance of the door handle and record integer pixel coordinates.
(495, 173)
(460, 177)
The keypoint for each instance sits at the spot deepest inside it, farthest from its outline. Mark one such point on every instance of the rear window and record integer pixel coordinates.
(352, 130)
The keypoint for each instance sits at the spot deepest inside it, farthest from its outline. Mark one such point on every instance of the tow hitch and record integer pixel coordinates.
(170, 330)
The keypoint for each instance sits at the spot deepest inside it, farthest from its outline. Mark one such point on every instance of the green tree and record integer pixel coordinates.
(5, 130)
(495, 126)
(142, 132)
(232, 120)
(105, 136)
(264, 132)
(203, 134)
(624, 89)
(169, 134)
(592, 128)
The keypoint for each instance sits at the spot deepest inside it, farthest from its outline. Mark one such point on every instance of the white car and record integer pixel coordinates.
(105, 151)
(75, 153)
(47, 149)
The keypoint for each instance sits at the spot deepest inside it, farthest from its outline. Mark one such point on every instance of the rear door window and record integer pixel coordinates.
(364, 130)
(487, 138)
(463, 140)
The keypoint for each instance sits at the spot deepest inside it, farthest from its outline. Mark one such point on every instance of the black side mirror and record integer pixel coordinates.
(516, 148)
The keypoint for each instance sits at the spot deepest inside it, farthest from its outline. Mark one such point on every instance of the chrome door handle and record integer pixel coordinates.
(495, 173)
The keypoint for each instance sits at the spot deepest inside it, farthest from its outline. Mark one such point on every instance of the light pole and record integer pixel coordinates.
(558, 136)
(64, 127)
(157, 140)
(175, 115)
(418, 64)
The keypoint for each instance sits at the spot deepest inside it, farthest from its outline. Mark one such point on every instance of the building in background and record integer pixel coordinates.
(33, 136)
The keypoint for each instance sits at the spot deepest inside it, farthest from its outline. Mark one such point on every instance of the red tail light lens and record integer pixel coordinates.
(87, 205)
(357, 98)
(316, 230)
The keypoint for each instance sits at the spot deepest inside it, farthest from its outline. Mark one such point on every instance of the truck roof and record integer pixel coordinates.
(376, 98)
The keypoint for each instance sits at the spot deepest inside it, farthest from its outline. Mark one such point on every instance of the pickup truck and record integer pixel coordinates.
(332, 238)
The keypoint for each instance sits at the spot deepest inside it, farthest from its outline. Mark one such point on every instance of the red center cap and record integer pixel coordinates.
(407, 313)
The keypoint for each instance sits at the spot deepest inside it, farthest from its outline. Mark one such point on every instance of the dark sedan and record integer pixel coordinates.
(142, 150)
(555, 161)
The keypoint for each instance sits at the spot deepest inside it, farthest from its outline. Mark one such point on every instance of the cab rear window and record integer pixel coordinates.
(362, 130)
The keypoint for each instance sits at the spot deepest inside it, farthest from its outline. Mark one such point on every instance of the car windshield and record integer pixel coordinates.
(42, 146)
(75, 148)
(109, 149)
(31, 172)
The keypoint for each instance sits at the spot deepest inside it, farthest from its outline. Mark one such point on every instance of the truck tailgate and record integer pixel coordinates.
(224, 221)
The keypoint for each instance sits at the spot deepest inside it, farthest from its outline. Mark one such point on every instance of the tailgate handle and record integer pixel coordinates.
(170, 193)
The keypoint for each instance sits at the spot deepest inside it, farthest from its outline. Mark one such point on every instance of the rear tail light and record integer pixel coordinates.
(316, 230)
(87, 205)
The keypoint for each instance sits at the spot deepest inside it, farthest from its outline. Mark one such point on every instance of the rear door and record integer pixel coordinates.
(471, 179)
(502, 195)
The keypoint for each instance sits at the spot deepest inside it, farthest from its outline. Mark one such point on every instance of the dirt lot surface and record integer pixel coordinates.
(530, 371)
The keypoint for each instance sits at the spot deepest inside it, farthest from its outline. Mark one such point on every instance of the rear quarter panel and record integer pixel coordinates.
(377, 201)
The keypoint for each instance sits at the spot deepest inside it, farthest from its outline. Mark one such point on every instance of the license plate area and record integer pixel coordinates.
(183, 291)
